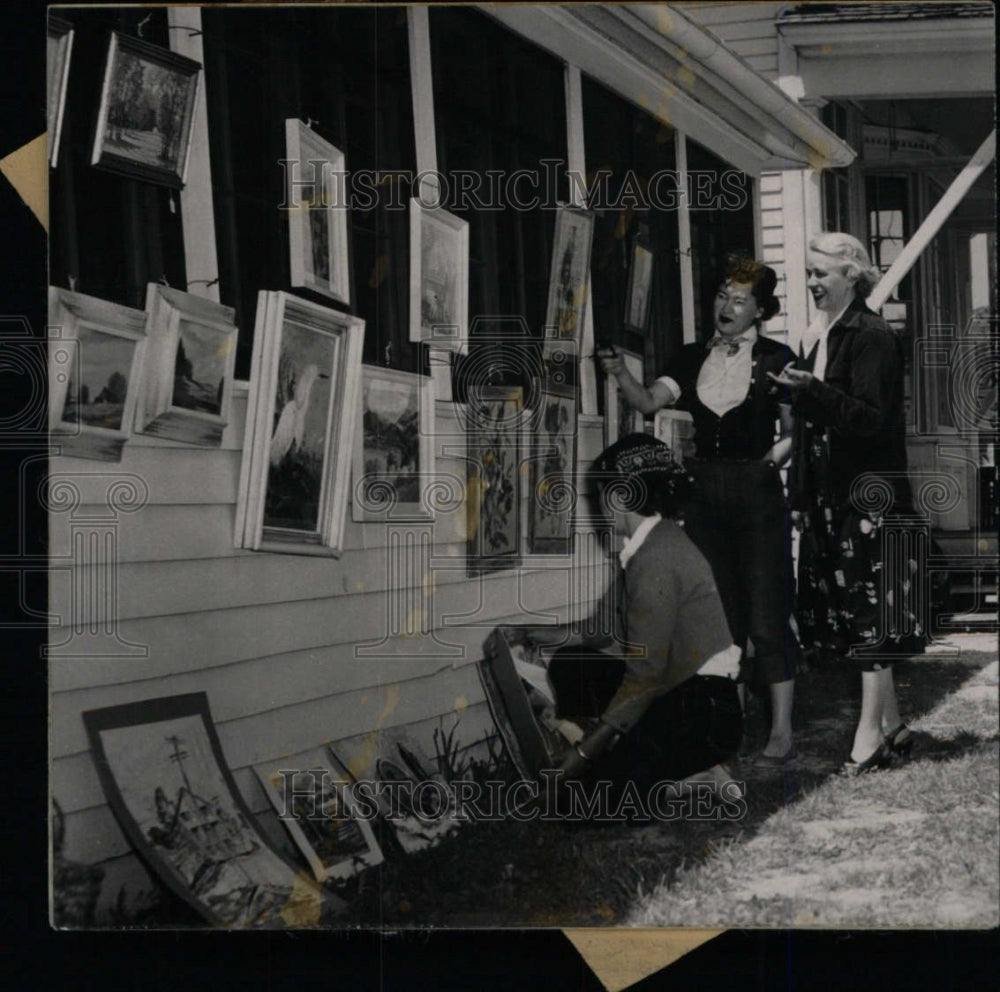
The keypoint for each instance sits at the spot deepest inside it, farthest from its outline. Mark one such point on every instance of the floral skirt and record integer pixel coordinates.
(851, 599)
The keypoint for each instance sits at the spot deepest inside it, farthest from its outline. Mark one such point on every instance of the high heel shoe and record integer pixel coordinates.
(881, 757)
(900, 740)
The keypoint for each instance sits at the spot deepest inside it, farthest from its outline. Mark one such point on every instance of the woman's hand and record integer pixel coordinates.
(612, 363)
(791, 377)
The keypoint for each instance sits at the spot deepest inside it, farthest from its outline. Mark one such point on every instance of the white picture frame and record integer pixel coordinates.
(327, 828)
(95, 364)
(187, 382)
(317, 226)
(59, 48)
(301, 427)
(569, 274)
(394, 450)
(439, 278)
(619, 418)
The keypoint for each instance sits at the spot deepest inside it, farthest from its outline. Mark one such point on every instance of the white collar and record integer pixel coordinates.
(633, 543)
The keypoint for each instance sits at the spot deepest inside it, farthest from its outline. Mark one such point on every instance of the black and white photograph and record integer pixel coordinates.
(740, 617)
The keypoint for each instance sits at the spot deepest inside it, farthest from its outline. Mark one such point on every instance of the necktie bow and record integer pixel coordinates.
(732, 345)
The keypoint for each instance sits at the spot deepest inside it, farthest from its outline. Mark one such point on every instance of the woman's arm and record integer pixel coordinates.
(645, 400)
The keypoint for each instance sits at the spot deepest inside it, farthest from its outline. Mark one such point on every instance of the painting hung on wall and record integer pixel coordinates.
(553, 472)
(439, 278)
(569, 275)
(394, 453)
(640, 287)
(59, 47)
(620, 418)
(317, 220)
(493, 432)
(314, 800)
(188, 374)
(301, 426)
(95, 361)
(146, 113)
(163, 772)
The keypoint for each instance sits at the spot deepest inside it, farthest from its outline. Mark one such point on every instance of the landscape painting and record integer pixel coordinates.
(200, 369)
(146, 112)
(394, 460)
(162, 769)
(97, 397)
(439, 277)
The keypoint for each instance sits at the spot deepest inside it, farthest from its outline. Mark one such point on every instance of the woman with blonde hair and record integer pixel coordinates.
(848, 471)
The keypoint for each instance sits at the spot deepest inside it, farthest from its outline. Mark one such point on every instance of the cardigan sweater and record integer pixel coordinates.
(670, 621)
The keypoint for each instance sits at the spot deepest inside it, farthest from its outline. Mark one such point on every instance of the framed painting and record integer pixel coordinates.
(675, 428)
(394, 450)
(301, 427)
(188, 373)
(58, 48)
(146, 114)
(163, 772)
(314, 799)
(553, 471)
(392, 774)
(493, 430)
(317, 224)
(619, 417)
(640, 287)
(439, 278)
(95, 363)
(569, 274)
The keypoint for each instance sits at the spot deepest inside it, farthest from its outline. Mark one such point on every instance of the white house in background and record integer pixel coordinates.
(911, 88)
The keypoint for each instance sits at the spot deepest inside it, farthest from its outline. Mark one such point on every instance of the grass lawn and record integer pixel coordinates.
(916, 845)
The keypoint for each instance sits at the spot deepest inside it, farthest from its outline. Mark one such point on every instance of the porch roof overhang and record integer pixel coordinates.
(659, 59)
(927, 57)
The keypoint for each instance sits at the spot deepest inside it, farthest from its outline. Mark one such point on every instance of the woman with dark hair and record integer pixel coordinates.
(665, 694)
(737, 517)
(849, 468)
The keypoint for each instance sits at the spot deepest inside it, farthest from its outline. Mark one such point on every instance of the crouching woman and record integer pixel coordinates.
(663, 686)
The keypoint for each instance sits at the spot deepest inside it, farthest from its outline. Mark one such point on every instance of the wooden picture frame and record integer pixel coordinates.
(569, 274)
(146, 114)
(675, 428)
(394, 450)
(553, 500)
(314, 800)
(95, 366)
(494, 424)
(620, 418)
(640, 288)
(301, 427)
(439, 278)
(165, 778)
(319, 257)
(187, 386)
(59, 48)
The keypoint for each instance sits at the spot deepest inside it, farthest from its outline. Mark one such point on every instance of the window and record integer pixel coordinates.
(836, 185)
(347, 71)
(499, 109)
(722, 227)
(110, 235)
(632, 163)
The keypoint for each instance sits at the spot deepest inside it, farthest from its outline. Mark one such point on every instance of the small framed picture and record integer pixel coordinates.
(146, 114)
(394, 451)
(95, 362)
(317, 223)
(640, 287)
(493, 431)
(59, 47)
(301, 427)
(314, 799)
(553, 471)
(439, 278)
(569, 274)
(675, 428)
(188, 374)
(161, 765)
(620, 418)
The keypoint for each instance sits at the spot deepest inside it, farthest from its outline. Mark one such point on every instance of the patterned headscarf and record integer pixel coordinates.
(639, 474)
